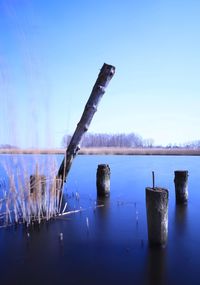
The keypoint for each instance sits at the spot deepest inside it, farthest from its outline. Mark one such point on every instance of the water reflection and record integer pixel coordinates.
(181, 213)
(102, 221)
(104, 204)
(3, 180)
(115, 250)
(156, 266)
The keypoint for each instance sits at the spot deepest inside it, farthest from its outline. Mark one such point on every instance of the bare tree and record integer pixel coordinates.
(109, 140)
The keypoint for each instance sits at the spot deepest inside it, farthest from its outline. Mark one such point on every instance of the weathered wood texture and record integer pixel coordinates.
(181, 186)
(157, 215)
(103, 180)
(104, 77)
(37, 184)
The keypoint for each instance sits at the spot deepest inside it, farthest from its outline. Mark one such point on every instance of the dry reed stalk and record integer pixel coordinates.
(22, 206)
(14, 195)
(63, 180)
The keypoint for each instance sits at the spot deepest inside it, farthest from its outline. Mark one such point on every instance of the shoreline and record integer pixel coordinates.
(109, 151)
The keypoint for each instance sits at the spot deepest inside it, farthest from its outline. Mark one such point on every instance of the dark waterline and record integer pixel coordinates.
(107, 245)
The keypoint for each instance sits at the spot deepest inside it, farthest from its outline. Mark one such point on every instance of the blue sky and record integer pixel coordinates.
(51, 53)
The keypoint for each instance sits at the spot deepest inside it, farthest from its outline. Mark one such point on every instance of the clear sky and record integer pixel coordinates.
(51, 52)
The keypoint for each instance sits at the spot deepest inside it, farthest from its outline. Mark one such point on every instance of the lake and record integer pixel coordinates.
(106, 242)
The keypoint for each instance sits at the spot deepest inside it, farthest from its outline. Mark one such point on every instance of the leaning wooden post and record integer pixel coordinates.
(181, 186)
(103, 180)
(104, 77)
(157, 215)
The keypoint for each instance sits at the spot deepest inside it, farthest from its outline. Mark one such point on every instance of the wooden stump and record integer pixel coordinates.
(103, 180)
(157, 215)
(181, 186)
(37, 184)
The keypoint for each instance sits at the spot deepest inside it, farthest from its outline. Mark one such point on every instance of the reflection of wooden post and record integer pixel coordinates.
(104, 77)
(157, 215)
(103, 180)
(181, 186)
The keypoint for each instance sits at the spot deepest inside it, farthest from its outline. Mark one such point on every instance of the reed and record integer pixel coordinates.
(26, 198)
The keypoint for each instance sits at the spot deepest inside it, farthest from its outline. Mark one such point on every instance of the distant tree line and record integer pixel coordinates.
(7, 146)
(110, 140)
(190, 145)
(194, 144)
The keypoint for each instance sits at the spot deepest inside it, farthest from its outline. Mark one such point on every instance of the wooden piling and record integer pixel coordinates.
(157, 215)
(181, 186)
(103, 180)
(37, 184)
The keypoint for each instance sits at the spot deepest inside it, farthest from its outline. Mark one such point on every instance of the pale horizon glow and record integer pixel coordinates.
(51, 53)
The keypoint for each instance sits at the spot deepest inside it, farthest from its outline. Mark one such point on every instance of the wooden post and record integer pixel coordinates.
(157, 215)
(103, 180)
(37, 184)
(181, 186)
(153, 179)
(104, 77)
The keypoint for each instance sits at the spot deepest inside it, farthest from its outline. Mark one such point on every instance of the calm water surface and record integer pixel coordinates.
(106, 245)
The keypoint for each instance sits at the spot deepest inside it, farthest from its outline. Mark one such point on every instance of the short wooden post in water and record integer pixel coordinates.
(181, 186)
(157, 215)
(103, 180)
(37, 184)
